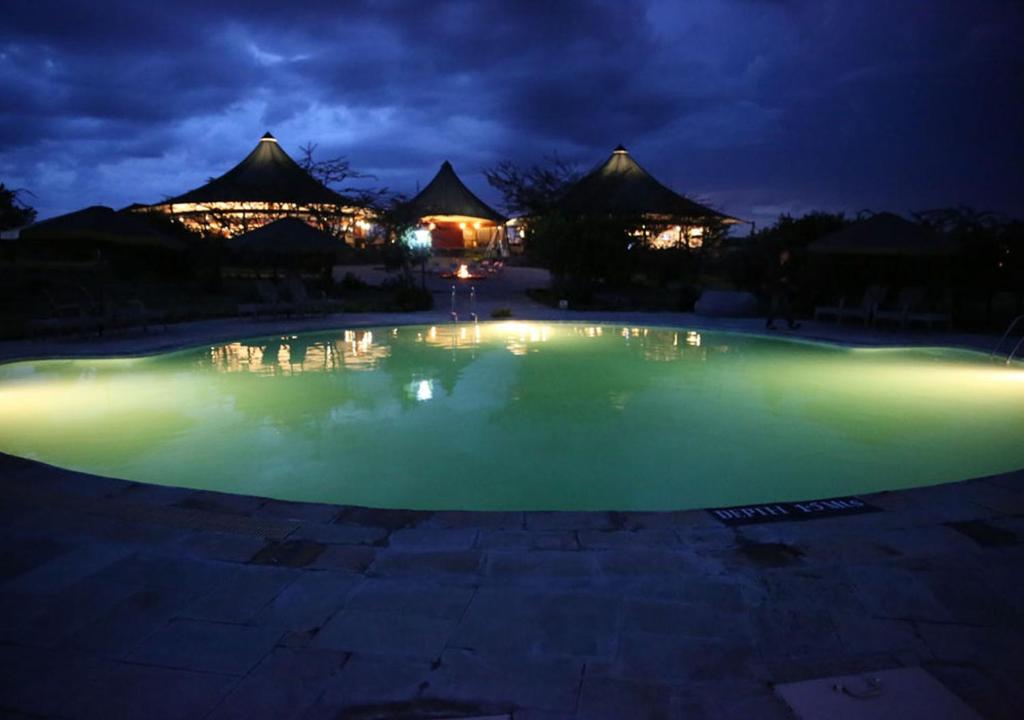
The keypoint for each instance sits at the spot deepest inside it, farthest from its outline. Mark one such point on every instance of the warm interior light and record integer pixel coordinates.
(463, 272)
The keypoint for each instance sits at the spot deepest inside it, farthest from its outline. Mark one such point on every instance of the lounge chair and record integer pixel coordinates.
(270, 301)
(864, 311)
(907, 300)
(935, 316)
(304, 303)
(69, 309)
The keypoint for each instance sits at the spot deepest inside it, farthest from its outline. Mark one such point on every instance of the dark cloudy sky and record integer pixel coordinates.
(756, 106)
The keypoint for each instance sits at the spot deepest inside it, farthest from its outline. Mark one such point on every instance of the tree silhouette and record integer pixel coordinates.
(14, 212)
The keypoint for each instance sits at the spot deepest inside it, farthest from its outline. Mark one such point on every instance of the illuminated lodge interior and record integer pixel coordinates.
(266, 186)
(620, 187)
(455, 218)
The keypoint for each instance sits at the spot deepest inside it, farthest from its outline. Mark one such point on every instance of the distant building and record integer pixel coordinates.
(621, 188)
(456, 218)
(266, 186)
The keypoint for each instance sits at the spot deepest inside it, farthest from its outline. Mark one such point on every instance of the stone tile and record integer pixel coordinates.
(285, 685)
(597, 539)
(385, 633)
(51, 620)
(349, 558)
(306, 512)
(383, 518)
(521, 621)
(66, 569)
(460, 565)
(147, 494)
(666, 520)
(1001, 648)
(569, 521)
(242, 594)
(572, 568)
(645, 562)
(142, 614)
(780, 630)
(220, 502)
(471, 519)
(527, 540)
(307, 603)
(610, 698)
(783, 669)
(695, 620)
(411, 598)
(207, 646)
(24, 555)
(372, 682)
(863, 635)
(743, 706)
(676, 659)
(936, 541)
(430, 539)
(38, 683)
(729, 595)
(288, 553)
(811, 588)
(993, 695)
(211, 545)
(336, 534)
(510, 681)
(895, 592)
(961, 589)
(119, 690)
(166, 571)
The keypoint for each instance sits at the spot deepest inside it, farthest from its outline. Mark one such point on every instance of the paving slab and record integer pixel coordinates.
(612, 699)
(459, 566)
(309, 601)
(410, 598)
(569, 623)
(512, 681)
(211, 647)
(243, 593)
(379, 686)
(433, 539)
(386, 633)
(142, 614)
(285, 685)
(123, 690)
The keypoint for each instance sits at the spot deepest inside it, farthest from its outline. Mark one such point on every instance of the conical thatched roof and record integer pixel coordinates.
(267, 174)
(447, 195)
(287, 236)
(621, 187)
(884, 234)
(102, 224)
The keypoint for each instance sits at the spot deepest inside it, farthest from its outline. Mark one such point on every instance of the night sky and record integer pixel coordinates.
(757, 107)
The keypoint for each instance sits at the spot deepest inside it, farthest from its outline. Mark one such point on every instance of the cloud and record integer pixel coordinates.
(753, 104)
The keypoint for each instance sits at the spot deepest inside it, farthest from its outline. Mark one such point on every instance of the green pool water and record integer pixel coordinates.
(523, 416)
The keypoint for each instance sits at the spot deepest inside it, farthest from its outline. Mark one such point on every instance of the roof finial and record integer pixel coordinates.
(267, 137)
(620, 149)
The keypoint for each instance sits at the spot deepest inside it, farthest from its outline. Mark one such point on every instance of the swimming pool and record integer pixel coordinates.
(523, 415)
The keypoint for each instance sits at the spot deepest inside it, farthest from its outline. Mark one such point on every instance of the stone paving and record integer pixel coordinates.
(124, 600)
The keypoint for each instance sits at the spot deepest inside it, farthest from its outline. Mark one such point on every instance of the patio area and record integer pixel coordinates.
(122, 599)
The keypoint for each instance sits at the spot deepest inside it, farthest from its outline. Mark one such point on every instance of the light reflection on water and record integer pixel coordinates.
(522, 415)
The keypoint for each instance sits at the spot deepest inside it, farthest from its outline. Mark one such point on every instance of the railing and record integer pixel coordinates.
(1009, 329)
